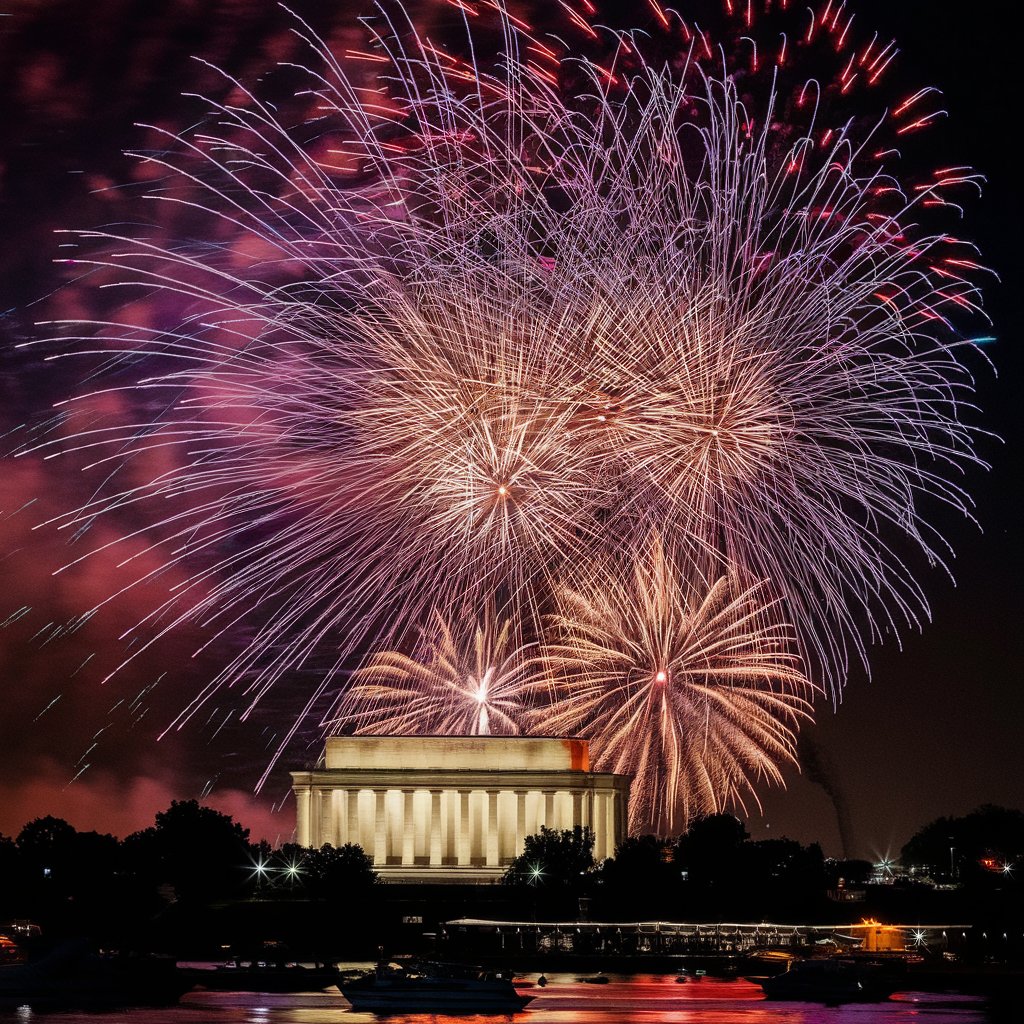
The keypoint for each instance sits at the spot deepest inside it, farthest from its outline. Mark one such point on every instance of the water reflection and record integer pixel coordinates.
(645, 999)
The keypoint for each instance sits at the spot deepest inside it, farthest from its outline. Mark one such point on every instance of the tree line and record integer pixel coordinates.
(191, 856)
(196, 856)
(715, 870)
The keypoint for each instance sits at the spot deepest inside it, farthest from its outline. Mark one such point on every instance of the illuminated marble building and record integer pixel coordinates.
(454, 808)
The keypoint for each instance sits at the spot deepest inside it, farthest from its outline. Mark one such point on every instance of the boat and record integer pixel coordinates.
(767, 962)
(262, 976)
(420, 985)
(74, 976)
(832, 980)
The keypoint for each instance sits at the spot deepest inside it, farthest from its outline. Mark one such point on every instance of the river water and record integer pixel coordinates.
(637, 999)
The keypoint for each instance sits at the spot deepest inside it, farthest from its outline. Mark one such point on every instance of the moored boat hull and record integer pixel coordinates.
(427, 987)
(827, 981)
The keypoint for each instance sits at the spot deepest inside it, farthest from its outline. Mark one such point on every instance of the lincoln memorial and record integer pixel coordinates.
(454, 808)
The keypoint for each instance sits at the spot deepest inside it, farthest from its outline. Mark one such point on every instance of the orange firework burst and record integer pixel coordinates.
(686, 681)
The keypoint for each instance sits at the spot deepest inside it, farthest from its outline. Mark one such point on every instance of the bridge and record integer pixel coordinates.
(694, 938)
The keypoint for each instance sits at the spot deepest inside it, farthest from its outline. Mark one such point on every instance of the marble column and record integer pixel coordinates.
(339, 800)
(434, 824)
(326, 818)
(613, 800)
(408, 830)
(314, 819)
(380, 832)
(609, 823)
(355, 834)
(600, 829)
(451, 800)
(588, 809)
(302, 823)
(463, 830)
(492, 850)
(520, 821)
(563, 809)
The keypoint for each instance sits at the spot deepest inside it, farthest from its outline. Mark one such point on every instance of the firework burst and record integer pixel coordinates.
(458, 683)
(469, 330)
(686, 682)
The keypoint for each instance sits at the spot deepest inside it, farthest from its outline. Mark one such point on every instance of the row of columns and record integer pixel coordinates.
(446, 827)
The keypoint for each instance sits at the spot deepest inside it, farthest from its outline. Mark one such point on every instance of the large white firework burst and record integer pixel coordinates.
(468, 327)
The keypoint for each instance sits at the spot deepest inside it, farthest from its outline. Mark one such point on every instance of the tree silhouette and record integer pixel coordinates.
(985, 841)
(554, 859)
(202, 853)
(339, 873)
(709, 851)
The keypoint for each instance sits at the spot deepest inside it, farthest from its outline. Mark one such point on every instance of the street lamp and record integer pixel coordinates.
(260, 871)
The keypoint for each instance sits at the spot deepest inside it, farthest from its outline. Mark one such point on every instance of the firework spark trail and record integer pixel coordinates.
(511, 319)
(684, 681)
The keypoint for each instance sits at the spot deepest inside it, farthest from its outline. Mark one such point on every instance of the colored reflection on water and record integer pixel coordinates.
(642, 999)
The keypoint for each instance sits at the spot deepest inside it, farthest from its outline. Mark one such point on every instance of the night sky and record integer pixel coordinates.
(939, 728)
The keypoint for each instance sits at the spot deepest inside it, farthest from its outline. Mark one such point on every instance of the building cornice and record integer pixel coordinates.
(451, 778)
